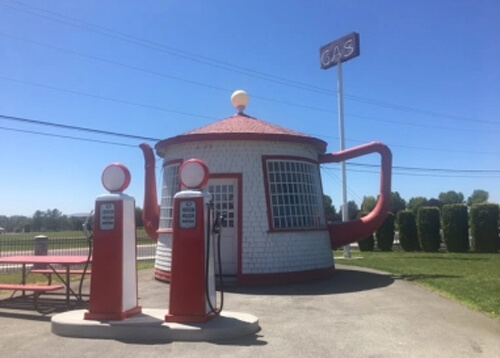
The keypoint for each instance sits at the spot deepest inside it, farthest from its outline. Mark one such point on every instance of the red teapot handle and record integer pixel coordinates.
(352, 231)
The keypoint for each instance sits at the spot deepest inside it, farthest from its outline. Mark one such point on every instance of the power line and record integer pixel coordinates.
(131, 136)
(66, 137)
(392, 145)
(337, 179)
(142, 105)
(433, 172)
(82, 129)
(227, 66)
(442, 170)
(436, 175)
(226, 90)
(163, 109)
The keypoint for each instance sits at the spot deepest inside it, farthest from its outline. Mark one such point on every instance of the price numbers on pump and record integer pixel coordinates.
(107, 216)
(187, 217)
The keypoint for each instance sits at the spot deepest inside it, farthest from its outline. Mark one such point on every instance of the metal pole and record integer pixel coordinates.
(345, 215)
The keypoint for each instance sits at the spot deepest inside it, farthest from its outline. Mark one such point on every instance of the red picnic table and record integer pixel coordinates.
(49, 261)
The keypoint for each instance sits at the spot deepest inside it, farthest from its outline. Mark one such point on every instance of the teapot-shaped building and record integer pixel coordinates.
(265, 181)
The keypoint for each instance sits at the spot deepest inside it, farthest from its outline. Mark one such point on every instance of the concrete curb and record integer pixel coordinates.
(150, 326)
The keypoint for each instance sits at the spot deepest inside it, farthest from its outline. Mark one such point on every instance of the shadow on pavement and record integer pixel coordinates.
(344, 280)
(44, 305)
(245, 341)
(32, 316)
(422, 276)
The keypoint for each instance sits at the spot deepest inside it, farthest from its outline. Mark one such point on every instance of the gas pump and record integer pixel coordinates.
(113, 285)
(192, 283)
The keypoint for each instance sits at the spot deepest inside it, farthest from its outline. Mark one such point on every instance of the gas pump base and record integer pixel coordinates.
(149, 326)
(115, 316)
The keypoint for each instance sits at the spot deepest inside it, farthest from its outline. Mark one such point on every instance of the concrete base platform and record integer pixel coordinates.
(150, 326)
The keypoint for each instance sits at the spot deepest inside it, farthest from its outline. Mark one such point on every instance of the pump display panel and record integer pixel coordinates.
(107, 216)
(187, 217)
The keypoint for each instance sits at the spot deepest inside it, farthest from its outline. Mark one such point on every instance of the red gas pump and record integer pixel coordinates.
(192, 284)
(113, 286)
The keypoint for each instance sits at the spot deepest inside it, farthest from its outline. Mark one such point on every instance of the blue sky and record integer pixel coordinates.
(426, 83)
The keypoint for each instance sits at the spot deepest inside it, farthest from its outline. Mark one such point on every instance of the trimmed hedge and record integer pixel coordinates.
(385, 233)
(428, 226)
(455, 227)
(408, 236)
(368, 243)
(484, 227)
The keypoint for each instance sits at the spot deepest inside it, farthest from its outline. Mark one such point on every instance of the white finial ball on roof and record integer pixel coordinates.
(240, 100)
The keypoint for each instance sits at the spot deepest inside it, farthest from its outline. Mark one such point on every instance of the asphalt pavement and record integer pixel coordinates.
(355, 313)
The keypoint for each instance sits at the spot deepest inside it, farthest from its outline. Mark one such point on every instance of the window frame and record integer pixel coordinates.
(289, 201)
(169, 197)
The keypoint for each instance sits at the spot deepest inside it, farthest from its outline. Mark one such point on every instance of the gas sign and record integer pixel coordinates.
(340, 50)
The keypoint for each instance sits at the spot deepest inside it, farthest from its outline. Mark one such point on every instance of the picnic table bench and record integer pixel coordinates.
(52, 262)
(36, 289)
(58, 272)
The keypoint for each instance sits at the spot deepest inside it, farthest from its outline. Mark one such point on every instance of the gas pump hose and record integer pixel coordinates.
(89, 233)
(215, 229)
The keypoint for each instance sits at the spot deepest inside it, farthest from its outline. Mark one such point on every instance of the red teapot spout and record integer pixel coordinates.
(352, 231)
(151, 210)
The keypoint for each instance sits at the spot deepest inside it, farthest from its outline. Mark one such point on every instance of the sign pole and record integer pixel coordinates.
(345, 213)
(333, 54)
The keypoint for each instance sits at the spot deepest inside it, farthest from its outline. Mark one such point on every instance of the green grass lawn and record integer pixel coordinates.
(471, 279)
(14, 278)
(55, 234)
(60, 239)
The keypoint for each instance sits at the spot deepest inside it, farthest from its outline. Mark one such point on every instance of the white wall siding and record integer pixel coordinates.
(262, 252)
(163, 258)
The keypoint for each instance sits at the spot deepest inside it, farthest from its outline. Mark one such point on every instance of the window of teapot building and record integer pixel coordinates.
(294, 194)
(171, 185)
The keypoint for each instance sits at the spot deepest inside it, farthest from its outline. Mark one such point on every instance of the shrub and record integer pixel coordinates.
(428, 227)
(368, 243)
(455, 227)
(385, 233)
(408, 237)
(484, 227)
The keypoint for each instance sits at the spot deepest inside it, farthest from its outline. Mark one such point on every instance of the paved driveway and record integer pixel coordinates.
(356, 313)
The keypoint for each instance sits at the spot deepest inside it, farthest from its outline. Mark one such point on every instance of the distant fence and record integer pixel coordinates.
(70, 246)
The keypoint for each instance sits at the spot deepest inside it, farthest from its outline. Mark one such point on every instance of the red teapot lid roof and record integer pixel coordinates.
(241, 127)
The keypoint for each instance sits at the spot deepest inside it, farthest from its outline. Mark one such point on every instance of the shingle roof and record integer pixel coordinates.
(242, 127)
(241, 123)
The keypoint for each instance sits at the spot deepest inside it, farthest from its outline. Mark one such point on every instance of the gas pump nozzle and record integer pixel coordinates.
(218, 223)
(87, 227)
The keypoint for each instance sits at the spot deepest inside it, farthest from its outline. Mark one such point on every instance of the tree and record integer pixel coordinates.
(451, 197)
(408, 235)
(385, 233)
(352, 210)
(434, 202)
(415, 203)
(37, 221)
(138, 217)
(53, 219)
(478, 196)
(18, 223)
(397, 203)
(455, 221)
(428, 227)
(75, 223)
(368, 204)
(330, 213)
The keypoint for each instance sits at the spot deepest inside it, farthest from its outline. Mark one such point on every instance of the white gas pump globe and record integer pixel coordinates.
(193, 174)
(116, 177)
